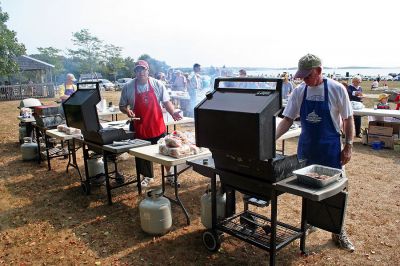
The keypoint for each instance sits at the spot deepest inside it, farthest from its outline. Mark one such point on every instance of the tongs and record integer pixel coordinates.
(131, 120)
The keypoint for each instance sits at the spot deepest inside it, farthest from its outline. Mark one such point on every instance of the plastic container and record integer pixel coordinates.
(303, 175)
(377, 145)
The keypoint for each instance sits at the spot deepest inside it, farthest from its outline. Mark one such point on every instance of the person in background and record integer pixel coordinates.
(355, 94)
(383, 101)
(287, 86)
(65, 90)
(243, 85)
(180, 83)
(140, 99)
(194, 86)
(161, 77)
(378, 79)
(323, 106)
(374, 84)
(397, 101)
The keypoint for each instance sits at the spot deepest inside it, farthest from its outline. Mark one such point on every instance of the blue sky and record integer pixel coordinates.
(251, 33)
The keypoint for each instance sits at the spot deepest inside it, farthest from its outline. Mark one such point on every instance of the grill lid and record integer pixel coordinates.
(239, 120)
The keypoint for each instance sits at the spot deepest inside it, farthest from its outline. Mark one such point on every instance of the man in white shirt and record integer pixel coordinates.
(195, 85)
(322, 104)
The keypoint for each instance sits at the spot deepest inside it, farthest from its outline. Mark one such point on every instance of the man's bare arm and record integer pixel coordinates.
(283, 127)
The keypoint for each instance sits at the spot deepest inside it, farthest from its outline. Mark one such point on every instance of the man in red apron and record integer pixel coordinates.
(140, 99)
(323, 106)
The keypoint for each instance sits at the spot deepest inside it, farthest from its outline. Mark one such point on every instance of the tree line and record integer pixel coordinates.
(89, 54)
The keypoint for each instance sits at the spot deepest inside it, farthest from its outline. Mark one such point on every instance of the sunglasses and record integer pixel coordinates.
(140, 69)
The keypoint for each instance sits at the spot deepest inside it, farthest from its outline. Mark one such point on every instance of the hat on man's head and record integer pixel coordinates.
(383, 96)
(71, 77)
(141, 63)
(306, 64)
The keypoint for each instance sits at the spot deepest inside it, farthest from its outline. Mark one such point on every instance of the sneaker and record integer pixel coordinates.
(171, 181)
(359, 136)
(311, 229)
(146, 181)
(343, 241)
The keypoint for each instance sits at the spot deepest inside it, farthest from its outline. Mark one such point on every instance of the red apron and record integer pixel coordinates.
(151, 123)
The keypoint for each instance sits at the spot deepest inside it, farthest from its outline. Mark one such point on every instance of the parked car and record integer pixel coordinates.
(121, 82)
(104, 84)
(387, 78)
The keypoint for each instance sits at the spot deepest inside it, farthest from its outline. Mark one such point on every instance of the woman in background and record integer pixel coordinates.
(287, 86)
(355, 94)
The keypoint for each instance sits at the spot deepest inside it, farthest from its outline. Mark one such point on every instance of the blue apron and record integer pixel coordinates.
(68, 91)
(319, 141)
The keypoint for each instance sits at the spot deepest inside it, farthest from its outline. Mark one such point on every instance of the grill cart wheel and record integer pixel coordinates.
(85, 185)
(211, 240)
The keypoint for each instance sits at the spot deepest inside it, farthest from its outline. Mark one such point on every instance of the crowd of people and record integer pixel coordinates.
(322, 104)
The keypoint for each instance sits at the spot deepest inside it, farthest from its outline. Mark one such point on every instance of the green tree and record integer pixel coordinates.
(9, 47)
(52, 56)
(112, 62)
(88, 50)
(127, 70)
(155, 65)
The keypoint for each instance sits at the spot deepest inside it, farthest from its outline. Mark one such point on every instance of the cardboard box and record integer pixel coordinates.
(387, 140)
(382, 131)
(394, 125)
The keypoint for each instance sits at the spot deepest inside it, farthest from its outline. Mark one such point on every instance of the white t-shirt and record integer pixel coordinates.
(339, 103)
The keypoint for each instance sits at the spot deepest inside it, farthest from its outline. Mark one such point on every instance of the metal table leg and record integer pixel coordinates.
(36, 129)
(72, 153)
(46, 142)
(274, 214)
(177, 200)
(303, 226)
(108, 188)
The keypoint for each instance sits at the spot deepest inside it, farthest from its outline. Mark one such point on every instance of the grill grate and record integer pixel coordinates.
(256, 229)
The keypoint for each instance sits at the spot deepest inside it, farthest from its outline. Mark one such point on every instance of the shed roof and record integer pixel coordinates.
(29, 63)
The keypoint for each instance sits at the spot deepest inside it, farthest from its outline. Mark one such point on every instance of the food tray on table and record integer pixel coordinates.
(318, 175)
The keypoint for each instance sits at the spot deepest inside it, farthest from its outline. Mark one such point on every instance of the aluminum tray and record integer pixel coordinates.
(333, 173)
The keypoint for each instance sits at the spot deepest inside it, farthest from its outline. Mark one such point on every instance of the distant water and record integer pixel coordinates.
(351, 71)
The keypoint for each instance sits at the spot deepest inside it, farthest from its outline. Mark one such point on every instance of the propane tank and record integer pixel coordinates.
(29, 149)
(155, 213)
(95, 166)
(22, 133)
(206, 207)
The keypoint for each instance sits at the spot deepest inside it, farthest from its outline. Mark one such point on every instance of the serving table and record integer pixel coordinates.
(72, 148)
(151, 153)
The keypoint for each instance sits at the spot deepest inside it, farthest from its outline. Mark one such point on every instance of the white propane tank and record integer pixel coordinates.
(29, 149)
(95, 166)
(155, 213)
(206, 207)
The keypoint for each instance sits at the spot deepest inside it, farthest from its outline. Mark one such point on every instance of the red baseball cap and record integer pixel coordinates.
(141, 63)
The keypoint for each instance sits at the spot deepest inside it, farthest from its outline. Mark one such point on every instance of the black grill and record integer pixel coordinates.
(238, 126)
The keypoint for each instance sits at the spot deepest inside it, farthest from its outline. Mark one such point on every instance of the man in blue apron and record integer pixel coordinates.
(324, 108)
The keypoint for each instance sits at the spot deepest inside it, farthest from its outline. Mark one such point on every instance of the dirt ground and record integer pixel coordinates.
(45, 219)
